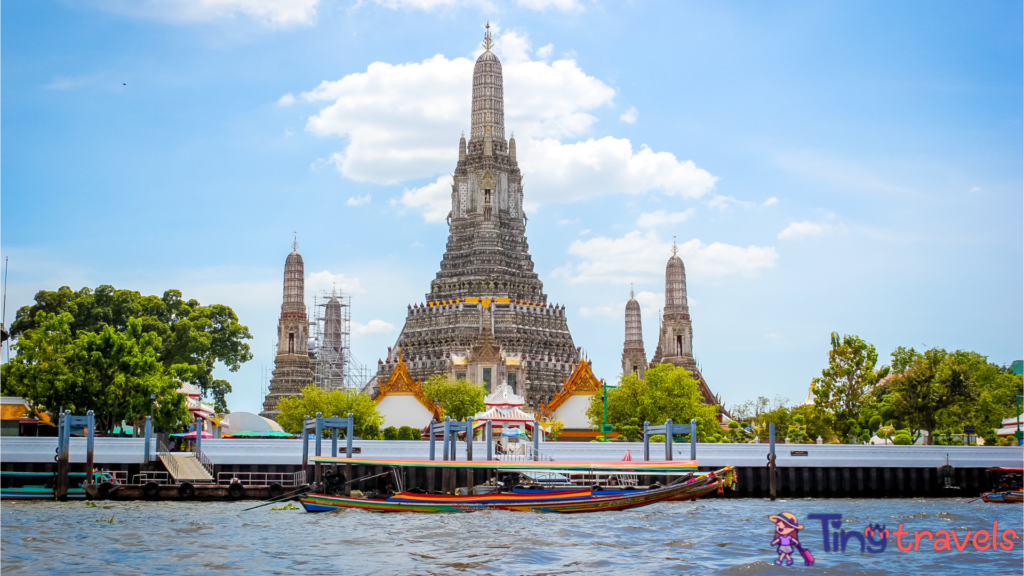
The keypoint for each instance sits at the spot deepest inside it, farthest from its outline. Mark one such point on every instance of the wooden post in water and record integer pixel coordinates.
(89, 446)
(430, 471)
(145, 448)
(445, 472)
(334, 448)
(490, 446)
(469, 453)
(771, 461)
(319, 432)
(60, 488)
(647, 442)
(348, 454)
(305, 446)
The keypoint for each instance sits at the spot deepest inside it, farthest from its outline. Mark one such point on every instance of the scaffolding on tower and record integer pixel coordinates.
(334, 367)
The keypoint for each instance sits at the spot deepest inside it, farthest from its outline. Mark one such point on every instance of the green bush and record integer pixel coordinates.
(370, 432)
(391, 433)
(903, 438)
(408, 433)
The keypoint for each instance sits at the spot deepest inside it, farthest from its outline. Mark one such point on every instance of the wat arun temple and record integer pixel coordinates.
(486, 316)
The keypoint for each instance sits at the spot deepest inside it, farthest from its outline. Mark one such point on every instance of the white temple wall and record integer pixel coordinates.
(403, 410)
(573, 412)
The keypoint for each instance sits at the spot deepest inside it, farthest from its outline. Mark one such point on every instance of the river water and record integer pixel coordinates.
(709, 536)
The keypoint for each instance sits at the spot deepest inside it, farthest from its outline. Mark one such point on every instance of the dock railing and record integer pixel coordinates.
(205, 462)
(285, 479)
(170, 463)
(160, 477)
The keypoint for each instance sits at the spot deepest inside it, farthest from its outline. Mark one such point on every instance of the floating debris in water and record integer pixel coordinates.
(289, 506)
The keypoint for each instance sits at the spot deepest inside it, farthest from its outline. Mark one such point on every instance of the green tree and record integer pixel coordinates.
(339, 403)
(390, 433)
(665, 392)
(459, 399)
(190, 333)
(843, 385)
(408, 433)
(631, 431)
(115, 374)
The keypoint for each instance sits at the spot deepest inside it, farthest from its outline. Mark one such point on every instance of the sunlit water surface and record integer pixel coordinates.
(710, 536)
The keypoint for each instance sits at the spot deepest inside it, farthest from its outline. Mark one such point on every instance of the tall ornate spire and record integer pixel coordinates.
(295, 241)
(675, 285)
(488, 118)
(487, 43)
(634, 359)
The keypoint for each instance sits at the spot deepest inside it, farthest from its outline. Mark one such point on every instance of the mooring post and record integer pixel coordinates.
(693, 439)
(334, 445)
(647, 442)
(89, 442)
(317, 452)
(536, 441)
(445, 472)
(305, 444)
(771, 460)
(60, 489)
(348, 453)
(489, 439)
(469, 453)
(145, 448)
(432, 438)
(668, 439)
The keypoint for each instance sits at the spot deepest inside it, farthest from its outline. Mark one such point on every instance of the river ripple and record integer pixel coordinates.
(709, 536)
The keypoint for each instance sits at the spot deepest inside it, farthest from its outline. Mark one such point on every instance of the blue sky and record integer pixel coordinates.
(842, 166)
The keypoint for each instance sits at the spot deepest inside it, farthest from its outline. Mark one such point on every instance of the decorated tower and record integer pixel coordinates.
(292, 369)
(486, 317)
(634, 359)
(675, 344)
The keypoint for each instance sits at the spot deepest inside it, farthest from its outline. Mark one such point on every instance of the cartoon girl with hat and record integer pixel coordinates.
(786, 533)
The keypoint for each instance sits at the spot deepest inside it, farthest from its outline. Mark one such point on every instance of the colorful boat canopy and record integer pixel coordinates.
(565, 466)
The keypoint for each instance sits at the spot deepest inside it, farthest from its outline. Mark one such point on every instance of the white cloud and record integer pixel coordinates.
(70, 82)
(564, 221)
(585, 232)
(560, 172)
(372, 327)
(358, 200)
(428, 5)
(566, 5)
(605, 311)
(660, 217)
(771, 201)
(650, 302)
(723, 203)
(637, 257)
(801, 230)
(401, 122)
(286, 100)
(630, 116)
(273, 13)
(545, 52)
(434, 200)
(974, 189)
(326, 281)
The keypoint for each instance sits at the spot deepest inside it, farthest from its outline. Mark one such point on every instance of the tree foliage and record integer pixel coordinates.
(665, 392)
(331, 403)
(116, 374)
(189, 332)
(840, 391)
(459, 399)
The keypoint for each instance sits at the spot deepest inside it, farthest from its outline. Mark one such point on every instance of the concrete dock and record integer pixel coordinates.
(804, 470)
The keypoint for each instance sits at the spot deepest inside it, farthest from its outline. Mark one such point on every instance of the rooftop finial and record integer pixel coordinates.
(295, 242)
(631, 290)
(487, 38)
(675, 249)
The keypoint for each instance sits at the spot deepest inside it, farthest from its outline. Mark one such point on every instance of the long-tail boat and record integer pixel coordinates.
(1008, 487)
(565, 502)
(560, 502)
(700, 485)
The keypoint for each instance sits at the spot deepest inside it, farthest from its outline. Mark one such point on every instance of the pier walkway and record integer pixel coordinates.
(184, 466)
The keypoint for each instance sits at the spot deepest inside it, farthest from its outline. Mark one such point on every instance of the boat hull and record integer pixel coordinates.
(38, 493)
(563, 503)
(1009, 497)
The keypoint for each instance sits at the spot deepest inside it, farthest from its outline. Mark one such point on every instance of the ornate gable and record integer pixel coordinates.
(582, 381)
(400, 382)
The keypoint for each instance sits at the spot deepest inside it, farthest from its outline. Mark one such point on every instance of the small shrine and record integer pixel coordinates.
(505, 410)
(401, 400)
